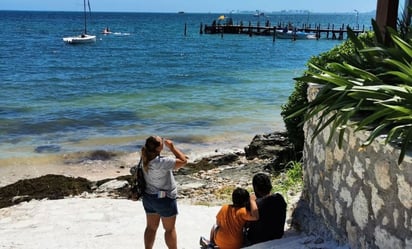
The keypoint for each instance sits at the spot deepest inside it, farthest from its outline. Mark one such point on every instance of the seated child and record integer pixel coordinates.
(230, 220)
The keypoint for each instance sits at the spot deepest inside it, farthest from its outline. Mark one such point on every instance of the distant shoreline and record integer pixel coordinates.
(285, 12)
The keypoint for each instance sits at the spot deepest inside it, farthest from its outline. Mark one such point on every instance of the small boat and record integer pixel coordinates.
(106, 31)
(84, 37)
(312, 36)
(294, 35)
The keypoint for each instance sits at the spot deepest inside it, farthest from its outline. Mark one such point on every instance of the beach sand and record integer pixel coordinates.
(80, 165)
(114, 223)
(90, 222)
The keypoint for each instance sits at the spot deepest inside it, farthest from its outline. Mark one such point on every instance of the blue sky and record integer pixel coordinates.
(215, 6)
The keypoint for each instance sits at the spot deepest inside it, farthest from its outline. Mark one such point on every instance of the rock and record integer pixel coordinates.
(47, 149)
(48, 186)
(190, 186)
(208, 181)
(112, 185)
(273, 146)
(101, 155)
(266, 146)
(225, 159)
(89, 157)
(18, 199)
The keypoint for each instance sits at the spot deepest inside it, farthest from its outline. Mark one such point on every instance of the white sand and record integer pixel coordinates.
(77, 223)
(109, 223)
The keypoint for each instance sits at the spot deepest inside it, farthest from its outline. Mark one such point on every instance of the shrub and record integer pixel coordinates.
(374, 83)
(298, 99)
(290, 181)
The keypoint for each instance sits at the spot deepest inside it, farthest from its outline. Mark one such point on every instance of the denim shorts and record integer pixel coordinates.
(165, 207)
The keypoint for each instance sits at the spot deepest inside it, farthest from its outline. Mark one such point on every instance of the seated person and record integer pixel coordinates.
(272, 213)
(230, 220)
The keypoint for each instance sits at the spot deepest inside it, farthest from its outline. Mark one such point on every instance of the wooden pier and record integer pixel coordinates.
(327, 31)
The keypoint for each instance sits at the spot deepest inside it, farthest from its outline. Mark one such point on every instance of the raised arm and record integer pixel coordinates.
(254, 211)
(181, 159)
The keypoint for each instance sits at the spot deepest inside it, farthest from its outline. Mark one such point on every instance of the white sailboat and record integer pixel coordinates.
(84, 37)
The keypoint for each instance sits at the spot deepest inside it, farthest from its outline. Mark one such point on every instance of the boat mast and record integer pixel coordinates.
(85, 23)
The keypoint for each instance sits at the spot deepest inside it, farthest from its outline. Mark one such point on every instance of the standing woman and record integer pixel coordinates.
(159, 200)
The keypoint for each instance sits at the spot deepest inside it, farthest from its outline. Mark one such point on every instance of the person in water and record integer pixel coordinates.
(106, 30)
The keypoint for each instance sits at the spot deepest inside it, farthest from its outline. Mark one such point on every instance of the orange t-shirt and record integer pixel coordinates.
(230, 221)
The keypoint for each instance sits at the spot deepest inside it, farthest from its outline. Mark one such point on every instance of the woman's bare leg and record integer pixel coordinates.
(170, 232)
(152, 223)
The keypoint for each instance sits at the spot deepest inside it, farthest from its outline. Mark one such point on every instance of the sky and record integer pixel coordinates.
(201, 6)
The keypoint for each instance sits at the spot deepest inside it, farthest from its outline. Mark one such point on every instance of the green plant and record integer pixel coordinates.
(370, 90)
(294, 173)
(290, 180)
(298, 99)
(224, 192)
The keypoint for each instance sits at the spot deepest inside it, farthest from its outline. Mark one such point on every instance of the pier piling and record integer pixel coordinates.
(329, 31)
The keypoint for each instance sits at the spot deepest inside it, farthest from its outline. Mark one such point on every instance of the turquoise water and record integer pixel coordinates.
(203, 91)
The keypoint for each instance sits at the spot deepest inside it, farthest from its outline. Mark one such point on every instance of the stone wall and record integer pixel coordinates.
(360, 196)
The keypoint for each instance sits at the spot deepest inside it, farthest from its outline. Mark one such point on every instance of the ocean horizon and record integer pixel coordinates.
(206, 92)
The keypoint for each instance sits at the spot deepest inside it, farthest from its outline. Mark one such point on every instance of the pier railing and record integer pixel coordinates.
(329, 31)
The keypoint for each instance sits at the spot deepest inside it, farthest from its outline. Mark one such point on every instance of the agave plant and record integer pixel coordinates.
(370, 90)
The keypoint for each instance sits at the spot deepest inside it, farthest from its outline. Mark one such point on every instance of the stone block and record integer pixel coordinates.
(383, 239)
(350, 179)
(358, 167)
(404, 191)
(382, 174)
(345, 195)
(377, 202)
(360, 210)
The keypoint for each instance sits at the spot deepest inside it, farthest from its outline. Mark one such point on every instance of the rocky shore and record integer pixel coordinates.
(203, 186)
(208, 181)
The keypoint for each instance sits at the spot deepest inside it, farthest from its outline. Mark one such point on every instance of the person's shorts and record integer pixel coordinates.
(165, 207)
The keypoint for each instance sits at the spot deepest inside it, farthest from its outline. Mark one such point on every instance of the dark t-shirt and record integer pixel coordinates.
(271, 223)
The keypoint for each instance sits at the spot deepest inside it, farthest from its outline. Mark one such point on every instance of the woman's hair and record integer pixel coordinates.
(149, 151)
(240, 198)
(261, 185)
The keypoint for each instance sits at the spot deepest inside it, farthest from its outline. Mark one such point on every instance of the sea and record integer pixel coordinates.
(155, 74)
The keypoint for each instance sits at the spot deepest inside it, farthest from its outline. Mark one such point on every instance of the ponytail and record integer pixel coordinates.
(149, 152)
(144, 159)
